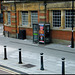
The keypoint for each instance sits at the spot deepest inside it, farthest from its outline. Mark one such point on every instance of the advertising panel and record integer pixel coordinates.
(41, 33)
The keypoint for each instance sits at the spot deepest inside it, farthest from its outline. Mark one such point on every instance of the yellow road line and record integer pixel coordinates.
(8, 70)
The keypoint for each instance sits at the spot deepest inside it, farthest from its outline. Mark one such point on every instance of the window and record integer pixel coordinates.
(9, 18)
(34, 17)
(68, 18)
(24, 18)
(56, 18)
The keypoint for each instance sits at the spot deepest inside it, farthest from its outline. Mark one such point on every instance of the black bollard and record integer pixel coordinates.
(42, 67)
(5, 54)
(63, 66)
(20, 60)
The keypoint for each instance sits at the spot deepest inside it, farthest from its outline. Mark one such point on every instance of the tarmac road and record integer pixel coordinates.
(7, 70)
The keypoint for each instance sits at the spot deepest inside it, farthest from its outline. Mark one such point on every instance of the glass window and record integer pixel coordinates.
(34, 17)
(9, 18)
(56, 18)
(68, 18)
(24, 18)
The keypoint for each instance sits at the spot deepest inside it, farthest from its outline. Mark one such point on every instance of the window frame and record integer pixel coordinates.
(57, 16)
(69, 18)
(33, 15)
(24, 20)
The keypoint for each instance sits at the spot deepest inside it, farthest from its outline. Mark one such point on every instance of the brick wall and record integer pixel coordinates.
(10, 29)
(63, 35)
(41, 16)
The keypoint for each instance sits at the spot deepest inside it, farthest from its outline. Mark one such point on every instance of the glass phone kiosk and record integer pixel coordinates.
(35, 33)
(44, 33)
(47, 33)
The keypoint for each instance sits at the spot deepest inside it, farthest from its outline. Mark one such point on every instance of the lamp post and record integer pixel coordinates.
(45, 9)
(72, 39)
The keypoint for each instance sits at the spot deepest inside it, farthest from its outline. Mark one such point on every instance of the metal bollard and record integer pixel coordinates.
(5, 54)
(20, 60)
(42, 67)
(63, 66)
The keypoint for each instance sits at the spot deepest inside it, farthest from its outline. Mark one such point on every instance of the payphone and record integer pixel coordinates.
(35, 33)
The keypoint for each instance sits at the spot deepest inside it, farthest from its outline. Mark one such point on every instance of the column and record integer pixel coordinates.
(29, 18)
(51, 18)
(62, 19)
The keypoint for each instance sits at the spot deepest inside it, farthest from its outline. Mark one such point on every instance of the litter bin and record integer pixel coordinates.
(22, 34)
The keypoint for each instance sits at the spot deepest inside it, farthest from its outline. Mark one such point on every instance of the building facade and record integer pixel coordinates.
(1, 15)
(21, 16)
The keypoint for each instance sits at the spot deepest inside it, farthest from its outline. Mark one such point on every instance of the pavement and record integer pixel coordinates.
(31, 57)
